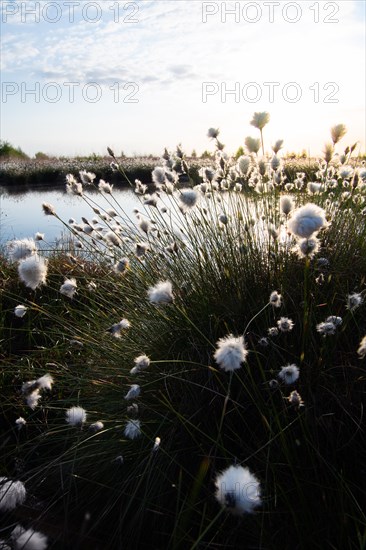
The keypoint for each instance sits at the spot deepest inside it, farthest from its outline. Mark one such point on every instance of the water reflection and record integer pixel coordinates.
(21, 212)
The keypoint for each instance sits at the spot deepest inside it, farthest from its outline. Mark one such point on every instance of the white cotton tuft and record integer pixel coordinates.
(362, 348)
(116, 329)
(354, 300)
(134, 392)
(327, 328)
(289, 374)
(68, 288)
(45, 382)
(189, 197)
(105, 187)
(307, 220)
(230, 353)
(96, 426)
(132, 429)
(12, 494)
(286, 204)
(275, 299)
(20, 311)
(28, 539)
(307, 248)
(33, 271)
(75, 416)
(161, 293)
(32, 399)
(21, 249)
(285, 324)
(20, 422)
(122, 265)
(142, 362)
(238, 490)
(48, 209)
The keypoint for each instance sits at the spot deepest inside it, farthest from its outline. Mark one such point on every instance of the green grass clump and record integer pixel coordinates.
(223, 255)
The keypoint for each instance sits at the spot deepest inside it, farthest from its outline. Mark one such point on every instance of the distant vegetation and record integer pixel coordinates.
(18, 169)
(7, 151)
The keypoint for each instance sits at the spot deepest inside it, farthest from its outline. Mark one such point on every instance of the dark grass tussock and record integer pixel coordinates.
(309, 459)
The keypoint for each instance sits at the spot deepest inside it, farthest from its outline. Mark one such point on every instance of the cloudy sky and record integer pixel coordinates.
(138, 76)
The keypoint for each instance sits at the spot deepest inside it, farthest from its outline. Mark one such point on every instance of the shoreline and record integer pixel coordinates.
(33, 174)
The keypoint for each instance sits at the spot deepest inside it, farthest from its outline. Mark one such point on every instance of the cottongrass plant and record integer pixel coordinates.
(28, 539)
(241, 345)
(12, 494)
(238, 490)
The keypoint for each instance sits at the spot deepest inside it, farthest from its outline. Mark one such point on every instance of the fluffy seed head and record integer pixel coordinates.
(96, 426)
(122, 265)
(33, 271)
(259, 120)
(295, 399)
(132, 429)
(161, 293)
(188, 197)
(275, 299)
(337, 321)
(75, 416)
(326, 328)
(354, 300)
(21, 249)
(307, 248)
(20, 311)
(337, 132)
(314, 187)
(307, 220)
(286, 204)
(141, 249)
(362, 348)
(243, 165)
(238, 490)
(285, 324)
(32, 399)
(48, 209)
(213, 133)
(230, 353)
(145, 225)
(105, 187)
(68, 288)
(277, 146)
(20, 422)
(113, 239)
(73, 187)
(116, 329)
(158, 176)
(28, 539)
(156, 444)
(45, 382)
(142, 362)
(133, 392)
(289, 374)
(87, 177)
(328, 152)
(252, 144)
(12, 493)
